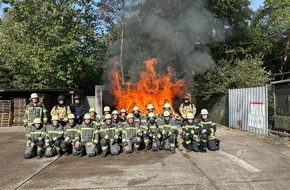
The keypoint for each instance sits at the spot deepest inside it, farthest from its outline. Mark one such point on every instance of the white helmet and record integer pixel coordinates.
(107, 109)
(189, 116)
(204, 112)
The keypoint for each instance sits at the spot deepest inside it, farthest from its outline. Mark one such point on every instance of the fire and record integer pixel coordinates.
(150, 89)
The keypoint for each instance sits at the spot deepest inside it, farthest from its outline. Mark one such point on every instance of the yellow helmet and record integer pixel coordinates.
(151, 115)
(37, 120)
(107, 109)
(71, 116)
(108, 116)
(150, 106)
(34, 95)
(136, 108)
(123, 111)
(115, 112)
(189, 116)
(92, 110)
(204, 112)
(130, 115)
(166, 113)
(166, 106)
(87, 116)
(54, 117)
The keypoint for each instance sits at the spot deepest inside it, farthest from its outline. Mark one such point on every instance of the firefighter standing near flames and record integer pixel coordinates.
(61, 110)
(169, 132)
(190, 133)
(131, 135)
(152, 133)
(208, 129)
(78, 109)
(187, 107)
(109, 134)
(34, 109)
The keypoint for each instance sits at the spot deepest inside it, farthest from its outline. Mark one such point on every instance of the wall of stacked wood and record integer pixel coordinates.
(19, 109)
(6, 113)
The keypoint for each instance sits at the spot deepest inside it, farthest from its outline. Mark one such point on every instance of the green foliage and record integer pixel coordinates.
(53, 44)
(248, 72)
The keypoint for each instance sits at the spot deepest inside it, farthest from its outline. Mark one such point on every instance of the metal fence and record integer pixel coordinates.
(248, 109)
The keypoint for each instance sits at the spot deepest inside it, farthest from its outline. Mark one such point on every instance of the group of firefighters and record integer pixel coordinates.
(73, 131)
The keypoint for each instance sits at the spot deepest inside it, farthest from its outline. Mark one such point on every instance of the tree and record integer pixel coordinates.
(53, 44)
(271, 23)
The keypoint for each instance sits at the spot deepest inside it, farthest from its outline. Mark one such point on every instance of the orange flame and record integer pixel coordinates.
(150, 89)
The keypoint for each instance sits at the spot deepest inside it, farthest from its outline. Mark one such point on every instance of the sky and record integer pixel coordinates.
(255, 4)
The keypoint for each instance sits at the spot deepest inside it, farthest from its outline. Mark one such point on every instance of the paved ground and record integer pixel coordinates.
(245, 161)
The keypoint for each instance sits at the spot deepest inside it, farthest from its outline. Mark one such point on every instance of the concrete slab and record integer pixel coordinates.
(245, 161)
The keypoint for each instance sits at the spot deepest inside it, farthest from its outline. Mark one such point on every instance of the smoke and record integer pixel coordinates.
(176, 32)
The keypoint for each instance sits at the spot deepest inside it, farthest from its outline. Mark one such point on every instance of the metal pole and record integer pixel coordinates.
(122, 42)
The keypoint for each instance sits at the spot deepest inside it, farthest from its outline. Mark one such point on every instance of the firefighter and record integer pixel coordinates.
(190, 133)
(109, 134)
(94, 116)
(116, 119)
(71, 136)
(61, 110)
(152, 133)
(78, 109)
(89, 137)
(123, 115)
(34, 109)
(35, 140)
(208, 129)
(54, 137)
(131, 135)
(107, 110)
(137, 115)
(169, 132)
(186, 107)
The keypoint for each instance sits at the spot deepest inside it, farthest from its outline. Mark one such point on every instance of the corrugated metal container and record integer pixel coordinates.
(248, 109)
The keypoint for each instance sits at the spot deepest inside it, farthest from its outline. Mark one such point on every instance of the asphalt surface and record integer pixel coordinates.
(244, 161)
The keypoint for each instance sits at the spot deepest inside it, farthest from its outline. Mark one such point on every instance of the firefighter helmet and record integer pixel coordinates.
(136, 108)
(37, 120)
(60, 97)
(189, 116)
(166, 106)
(71, 116)
(108, 116)
(151, 115)
(150, 107)
(166, 114)
(107, 109)
(130, 116)
(204, 112)
(115, 112)
(87, 116)
(34, 95)
(54, 117)
(77, 97)
(123, 111)
(92, 110)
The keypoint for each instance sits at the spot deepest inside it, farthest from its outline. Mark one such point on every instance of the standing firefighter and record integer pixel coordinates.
(131, 135)
(186, 107)
(78, 109)
(61, 110)
(71, 136)
(54, 137)
(190, 133)
(169, 132)
(152, 133)
(208, 128)
(34, 109)
(35, 140)
(89, 137)
(109, 134)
